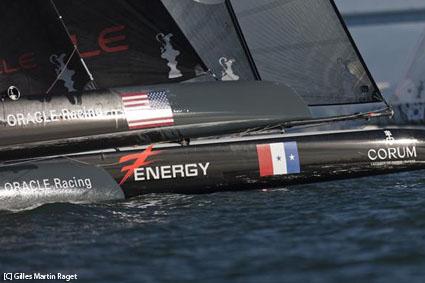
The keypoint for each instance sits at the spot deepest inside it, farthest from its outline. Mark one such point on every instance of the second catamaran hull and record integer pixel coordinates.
(146, 114)
(210, 166)
(263, 162)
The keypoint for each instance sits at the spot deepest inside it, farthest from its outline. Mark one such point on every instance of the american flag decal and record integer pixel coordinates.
(147, 109)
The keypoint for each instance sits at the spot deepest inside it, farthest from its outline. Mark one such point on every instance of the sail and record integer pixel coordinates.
(409, 98)
(129, 42)
(131, 46)
(35, 50)
(212, 32)
(305, 45)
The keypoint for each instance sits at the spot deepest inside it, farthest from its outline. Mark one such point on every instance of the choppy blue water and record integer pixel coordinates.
(364, 230)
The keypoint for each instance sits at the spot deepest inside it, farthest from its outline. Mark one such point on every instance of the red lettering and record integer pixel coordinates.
(27, 61)
(7, 69)
(89, 54)
(104, 41)
(85, 54)
(107, 41)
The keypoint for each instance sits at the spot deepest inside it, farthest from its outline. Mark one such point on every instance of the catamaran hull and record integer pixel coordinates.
(242, 164)
(264, 162)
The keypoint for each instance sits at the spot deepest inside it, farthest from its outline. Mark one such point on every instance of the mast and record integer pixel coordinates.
(242, 40)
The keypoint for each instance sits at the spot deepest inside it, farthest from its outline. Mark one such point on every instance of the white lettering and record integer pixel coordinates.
(21, 119)
(54, 117)
(38, 117)
(372, 157)
(382, 154)
(171, 171)
(166, 172)
(411, 152)
(44, 117)
(403, 153)
(191, 170)
(11, 120)
(392, 153)
(46, 183)
(88, 183)
(178, 169)
(204, 168)
(139, 174)
(55, 183)
(151, 172)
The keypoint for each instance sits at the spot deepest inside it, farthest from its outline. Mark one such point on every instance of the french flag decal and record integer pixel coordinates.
(278, 159)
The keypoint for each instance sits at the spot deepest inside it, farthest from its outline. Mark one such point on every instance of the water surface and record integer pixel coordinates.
(363, 230)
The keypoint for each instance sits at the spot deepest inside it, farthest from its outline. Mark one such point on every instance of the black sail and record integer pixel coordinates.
(35, 49)
(212, 32)
(133, 47)
(304, 44)
(130, 42)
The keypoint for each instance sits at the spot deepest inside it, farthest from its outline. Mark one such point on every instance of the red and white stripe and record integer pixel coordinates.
(272, 159)
(141, 115)
(132, 101)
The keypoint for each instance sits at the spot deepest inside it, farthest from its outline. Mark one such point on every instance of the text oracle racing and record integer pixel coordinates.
(56, 183)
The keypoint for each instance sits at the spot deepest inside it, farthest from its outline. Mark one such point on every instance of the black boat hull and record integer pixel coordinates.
(237, 165)
(143, 115)
(210, 166)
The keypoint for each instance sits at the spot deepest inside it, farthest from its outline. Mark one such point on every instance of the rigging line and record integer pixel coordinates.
(385, 112)
(87, 163)
(58, 77)
(60, 18)
(242, 40)
(13, 163)
(390, 107)
(47, 158)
